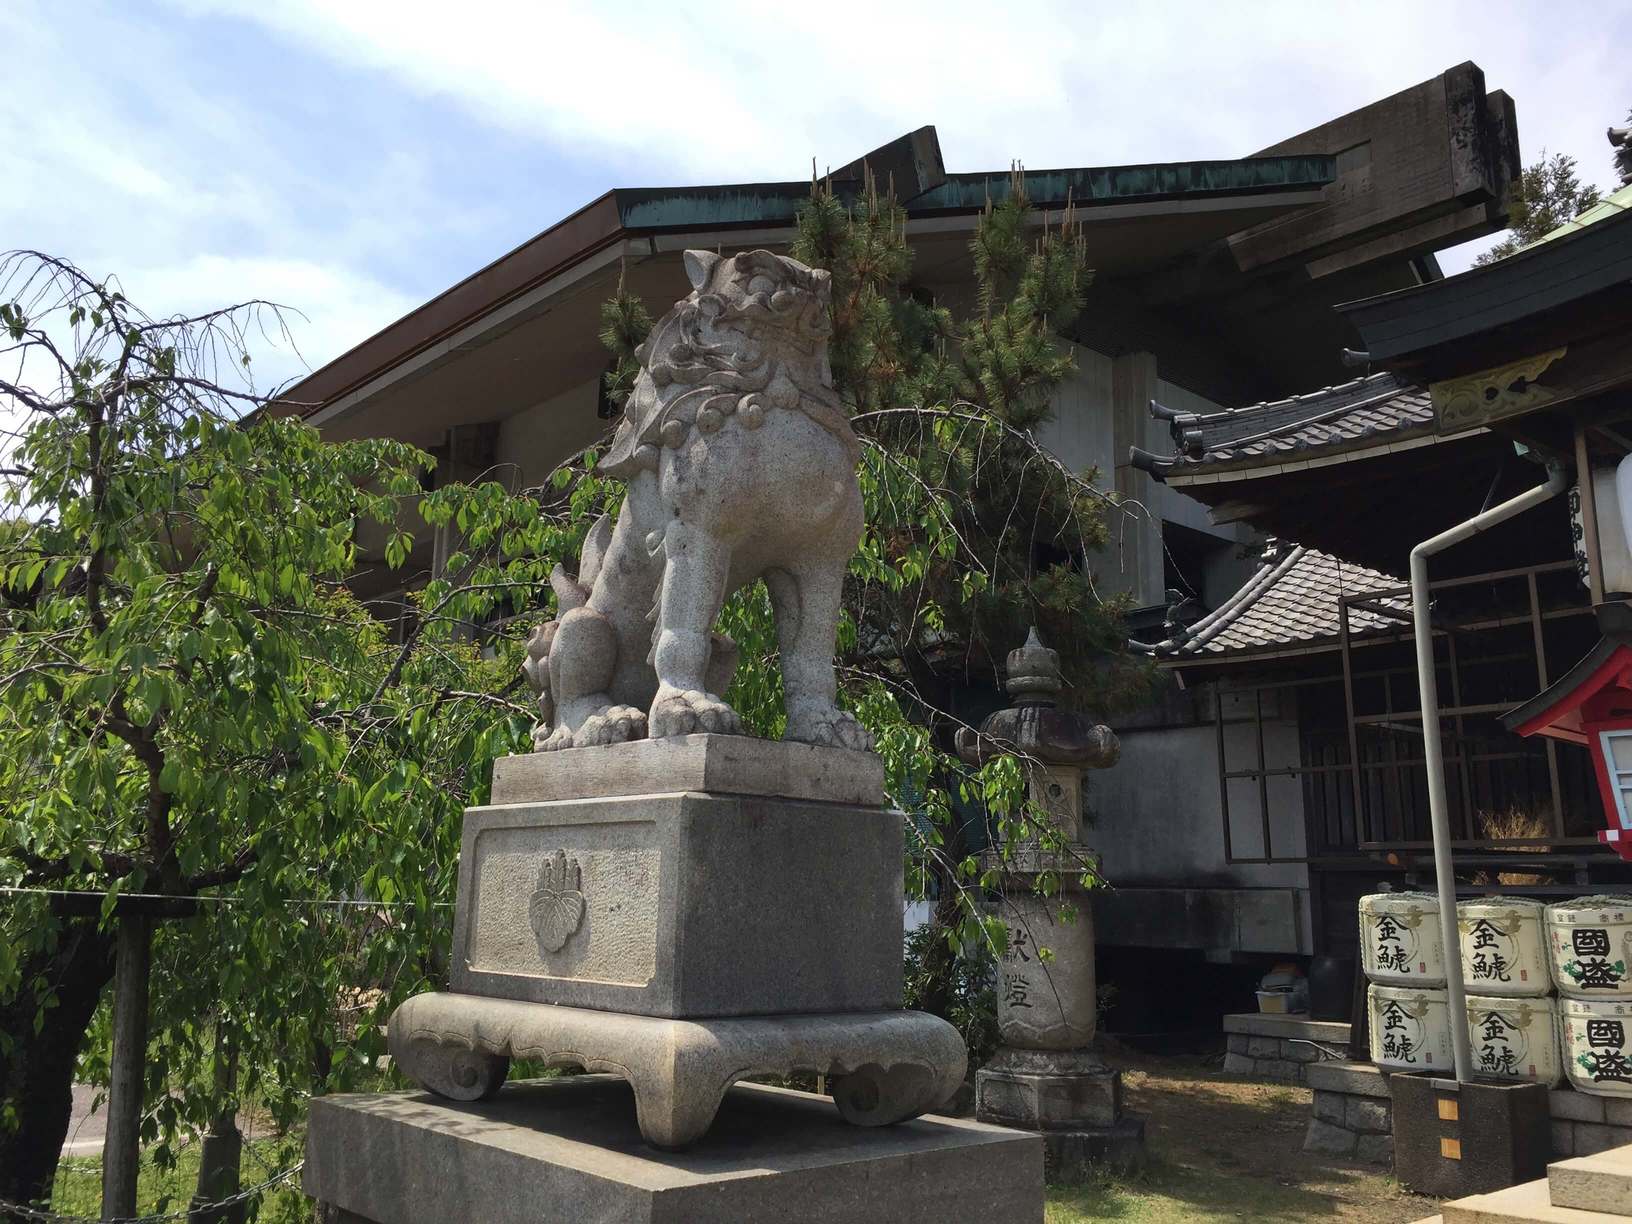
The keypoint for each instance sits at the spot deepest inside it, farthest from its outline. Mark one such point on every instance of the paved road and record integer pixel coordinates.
(85, 1128)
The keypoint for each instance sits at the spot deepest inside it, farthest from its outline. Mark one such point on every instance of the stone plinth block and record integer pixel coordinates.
(1072, 1156)
(1046, 1090)
(884, 1066)
(681, 904)
(567, 1150)
(714, 764)
(1072, 1099)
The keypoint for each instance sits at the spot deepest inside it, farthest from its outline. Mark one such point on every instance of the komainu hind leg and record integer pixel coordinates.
(583, 659)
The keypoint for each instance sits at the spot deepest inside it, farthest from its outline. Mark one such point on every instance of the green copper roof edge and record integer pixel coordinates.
(662, 208)
(1614, 203)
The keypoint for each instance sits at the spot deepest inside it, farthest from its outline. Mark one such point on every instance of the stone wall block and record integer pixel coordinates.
(1329, 1107)
(1575, 1106)
(1591, 1138)
(1264, 1047)
(1239, 1064)
(1328, 1139)
(1618, 1111)
(1238, 1043)
(1366, 1116)
(1563, 1139)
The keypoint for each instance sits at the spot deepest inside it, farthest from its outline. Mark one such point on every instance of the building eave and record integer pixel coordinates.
(739, 214)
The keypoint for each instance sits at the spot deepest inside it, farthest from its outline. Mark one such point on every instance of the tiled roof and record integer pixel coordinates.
(1334, 419)
(1290, 601)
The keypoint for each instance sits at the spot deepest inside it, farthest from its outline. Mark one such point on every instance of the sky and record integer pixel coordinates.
(351, 159)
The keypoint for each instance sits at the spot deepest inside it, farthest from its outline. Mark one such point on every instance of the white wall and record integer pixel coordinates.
(1158, 814)
(1080, 431)
(536, 439)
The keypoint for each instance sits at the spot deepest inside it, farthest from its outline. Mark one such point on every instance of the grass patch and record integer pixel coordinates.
(78, 1188)
(1167, 1194)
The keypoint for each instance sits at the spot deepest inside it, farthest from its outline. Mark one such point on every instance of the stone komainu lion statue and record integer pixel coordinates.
(741, 464)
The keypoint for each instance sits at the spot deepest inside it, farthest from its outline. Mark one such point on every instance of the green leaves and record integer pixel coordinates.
(192, 699)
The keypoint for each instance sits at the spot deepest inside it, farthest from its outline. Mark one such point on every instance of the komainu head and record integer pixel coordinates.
(750, 339)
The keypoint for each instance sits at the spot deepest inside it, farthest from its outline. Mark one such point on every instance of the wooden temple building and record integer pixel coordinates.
(1468, 391)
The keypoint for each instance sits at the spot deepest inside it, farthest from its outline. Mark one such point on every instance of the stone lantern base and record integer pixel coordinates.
(1072, 1099)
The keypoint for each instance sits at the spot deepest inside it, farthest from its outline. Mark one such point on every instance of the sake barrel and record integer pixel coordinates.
(1400, 940)
(1504, 947)
(1517, 1038)
(1589, 942)
(1410, 1028)
(1597, 1043)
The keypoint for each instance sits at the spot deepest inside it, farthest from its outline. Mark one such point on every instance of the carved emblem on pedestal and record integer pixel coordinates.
(557, 908)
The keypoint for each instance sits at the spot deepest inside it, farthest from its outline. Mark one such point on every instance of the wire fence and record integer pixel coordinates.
(22, 1211)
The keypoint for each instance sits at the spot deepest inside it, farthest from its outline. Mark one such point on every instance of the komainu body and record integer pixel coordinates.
(740, 464)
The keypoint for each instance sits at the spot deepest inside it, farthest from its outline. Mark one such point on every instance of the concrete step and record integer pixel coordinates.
(1530, 1202)
(1601, 1183)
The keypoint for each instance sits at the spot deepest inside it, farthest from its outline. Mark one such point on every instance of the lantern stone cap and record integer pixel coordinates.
(1034, 727)
(1033, 672)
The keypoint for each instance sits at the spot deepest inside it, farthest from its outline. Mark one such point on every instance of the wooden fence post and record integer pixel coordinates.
(121, 1150)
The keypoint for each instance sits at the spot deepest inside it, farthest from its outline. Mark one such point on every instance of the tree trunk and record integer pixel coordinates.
(122, 1145)
(37, 1067)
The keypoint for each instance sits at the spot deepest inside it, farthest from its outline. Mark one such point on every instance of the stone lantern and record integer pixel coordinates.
(1046, 1076)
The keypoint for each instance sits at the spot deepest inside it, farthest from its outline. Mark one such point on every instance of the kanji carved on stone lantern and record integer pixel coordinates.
(1046, 1076)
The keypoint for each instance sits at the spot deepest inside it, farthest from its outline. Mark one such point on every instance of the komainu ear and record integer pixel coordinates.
(698, 266)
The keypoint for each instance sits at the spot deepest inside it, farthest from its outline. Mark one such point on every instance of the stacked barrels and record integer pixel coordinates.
(1590, 945)
(1512, 1015)
(1515, 953)
(1403, 955)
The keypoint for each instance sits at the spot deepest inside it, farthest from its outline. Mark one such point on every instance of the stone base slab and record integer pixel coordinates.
(1047, 1090)
(567, 1149)
(708, 764)
(884, 1066)
(677, 903)
(1072, 1156)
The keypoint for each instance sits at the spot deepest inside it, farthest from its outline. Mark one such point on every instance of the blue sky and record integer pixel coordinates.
(351, 159)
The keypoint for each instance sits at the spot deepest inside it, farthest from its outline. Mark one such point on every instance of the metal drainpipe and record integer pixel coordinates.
(1428, 688)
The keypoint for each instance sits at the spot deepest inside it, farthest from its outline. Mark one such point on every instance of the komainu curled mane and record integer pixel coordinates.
(741, 464)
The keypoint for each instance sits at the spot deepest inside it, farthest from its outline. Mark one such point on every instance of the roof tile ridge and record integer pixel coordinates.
(1305, 396)
(1250, 592)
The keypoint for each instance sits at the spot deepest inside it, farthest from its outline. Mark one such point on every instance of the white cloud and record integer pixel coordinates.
(741, 90)
(120, 148)
(325, 309)
(136, 169)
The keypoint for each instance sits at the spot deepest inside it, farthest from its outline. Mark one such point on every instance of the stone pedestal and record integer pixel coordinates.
(568, 1150)
(1072, 1098)
(616, 916)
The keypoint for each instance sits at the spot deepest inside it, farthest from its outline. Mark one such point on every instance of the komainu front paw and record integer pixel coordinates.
(835, 728)
(690, 711)
(614, 725)
(551, 739)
